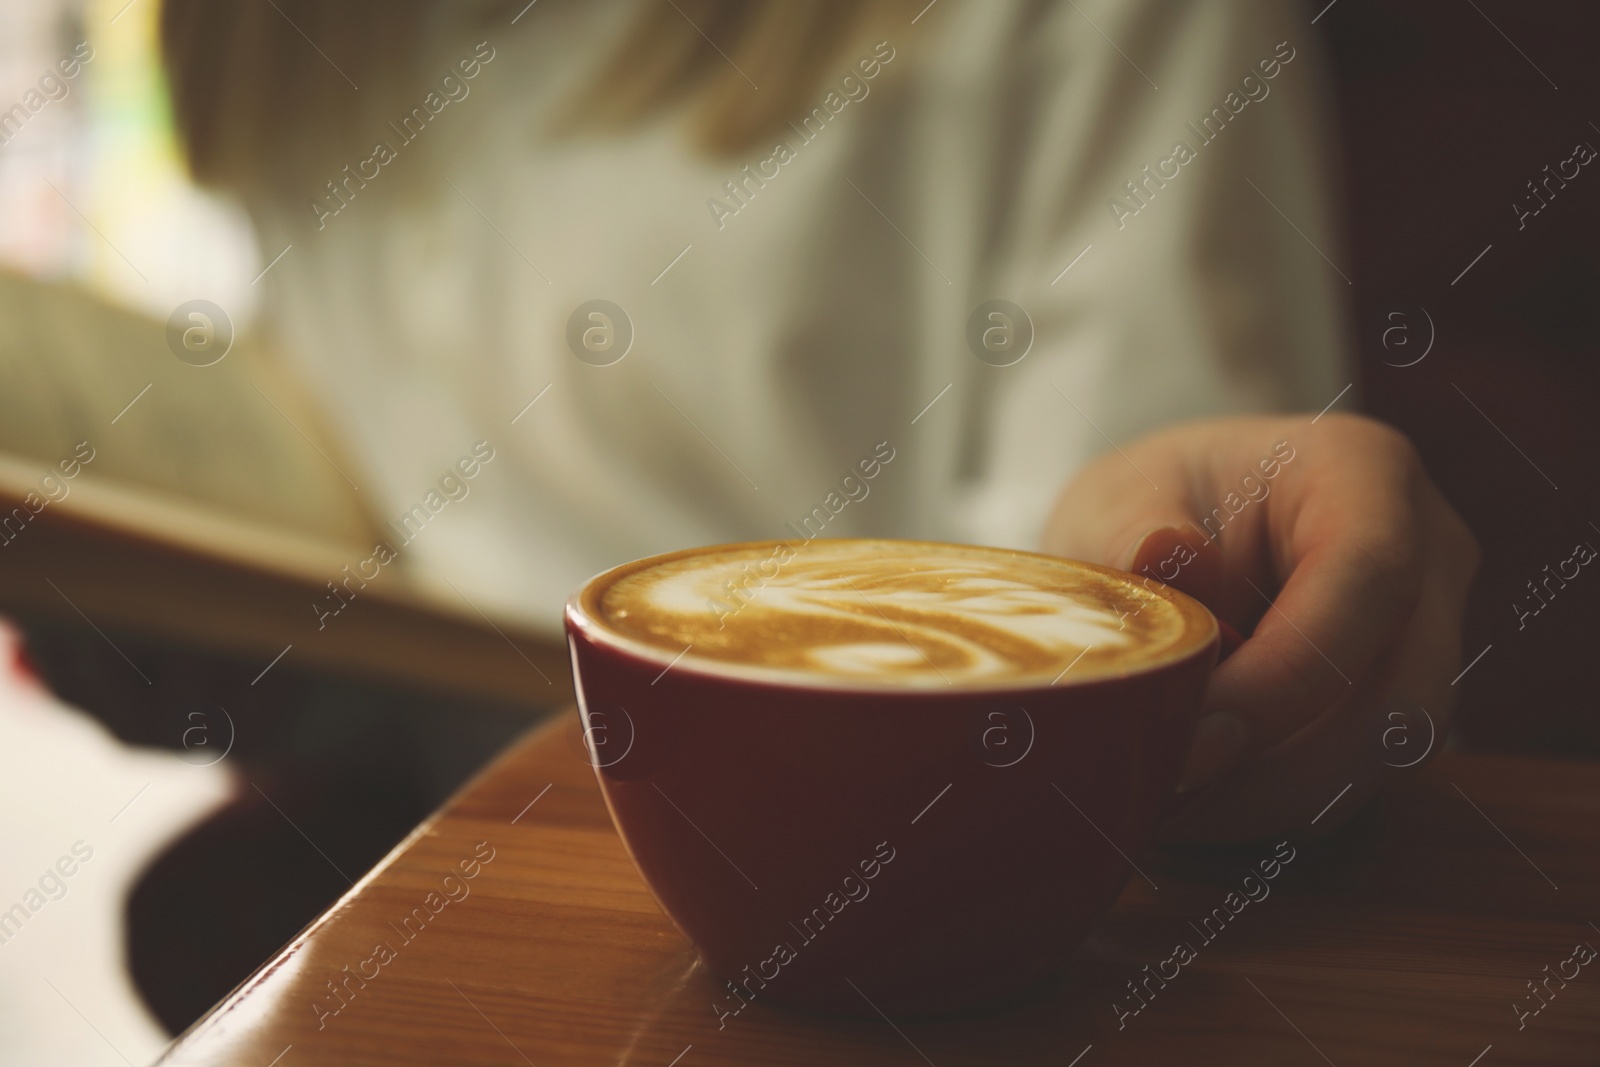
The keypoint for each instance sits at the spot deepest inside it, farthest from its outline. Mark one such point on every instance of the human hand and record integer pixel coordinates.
(1367, 567)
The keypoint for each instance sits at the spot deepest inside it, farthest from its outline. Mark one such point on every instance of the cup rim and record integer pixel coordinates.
(582, 615)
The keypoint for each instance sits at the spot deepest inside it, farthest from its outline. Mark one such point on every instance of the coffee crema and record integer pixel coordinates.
(897, 613)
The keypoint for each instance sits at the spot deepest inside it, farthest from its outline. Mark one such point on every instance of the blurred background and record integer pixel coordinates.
(105, 156)
(1442, 124)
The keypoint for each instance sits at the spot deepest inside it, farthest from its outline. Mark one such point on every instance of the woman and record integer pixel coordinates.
(683, 265)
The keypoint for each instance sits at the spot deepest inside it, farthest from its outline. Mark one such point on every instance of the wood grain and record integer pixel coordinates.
(1405, 938)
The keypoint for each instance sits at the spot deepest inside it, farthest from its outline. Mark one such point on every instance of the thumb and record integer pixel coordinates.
(1169, 554)
(1177, 556)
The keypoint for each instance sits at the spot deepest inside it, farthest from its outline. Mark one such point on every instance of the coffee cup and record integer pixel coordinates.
(885, 777)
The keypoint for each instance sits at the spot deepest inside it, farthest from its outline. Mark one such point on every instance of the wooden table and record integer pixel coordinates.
(1405, 938)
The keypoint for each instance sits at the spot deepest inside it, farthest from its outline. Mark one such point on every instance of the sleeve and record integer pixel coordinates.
(1161, 215)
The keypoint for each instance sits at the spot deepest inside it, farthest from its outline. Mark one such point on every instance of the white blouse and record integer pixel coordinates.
(1148, 181)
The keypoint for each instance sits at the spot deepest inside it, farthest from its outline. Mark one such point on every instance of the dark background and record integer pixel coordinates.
(1443, 123)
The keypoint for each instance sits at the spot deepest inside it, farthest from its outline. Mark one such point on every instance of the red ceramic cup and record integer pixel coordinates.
(862, 848)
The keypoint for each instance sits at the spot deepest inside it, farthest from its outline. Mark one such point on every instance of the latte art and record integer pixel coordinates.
(898, 612)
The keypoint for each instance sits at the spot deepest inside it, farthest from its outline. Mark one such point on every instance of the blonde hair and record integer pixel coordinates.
(255, 85)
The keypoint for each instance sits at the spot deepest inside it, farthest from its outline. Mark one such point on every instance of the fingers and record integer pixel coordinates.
(1390, 721)
(1321, 776)
(1107, 515)
(1351, 544)
(1300, 784)
(1168, 555)
(1177, 557)
(1418, 686)
(1353, 572)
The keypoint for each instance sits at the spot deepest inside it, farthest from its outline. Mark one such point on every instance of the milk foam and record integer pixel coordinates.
(909, 612)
